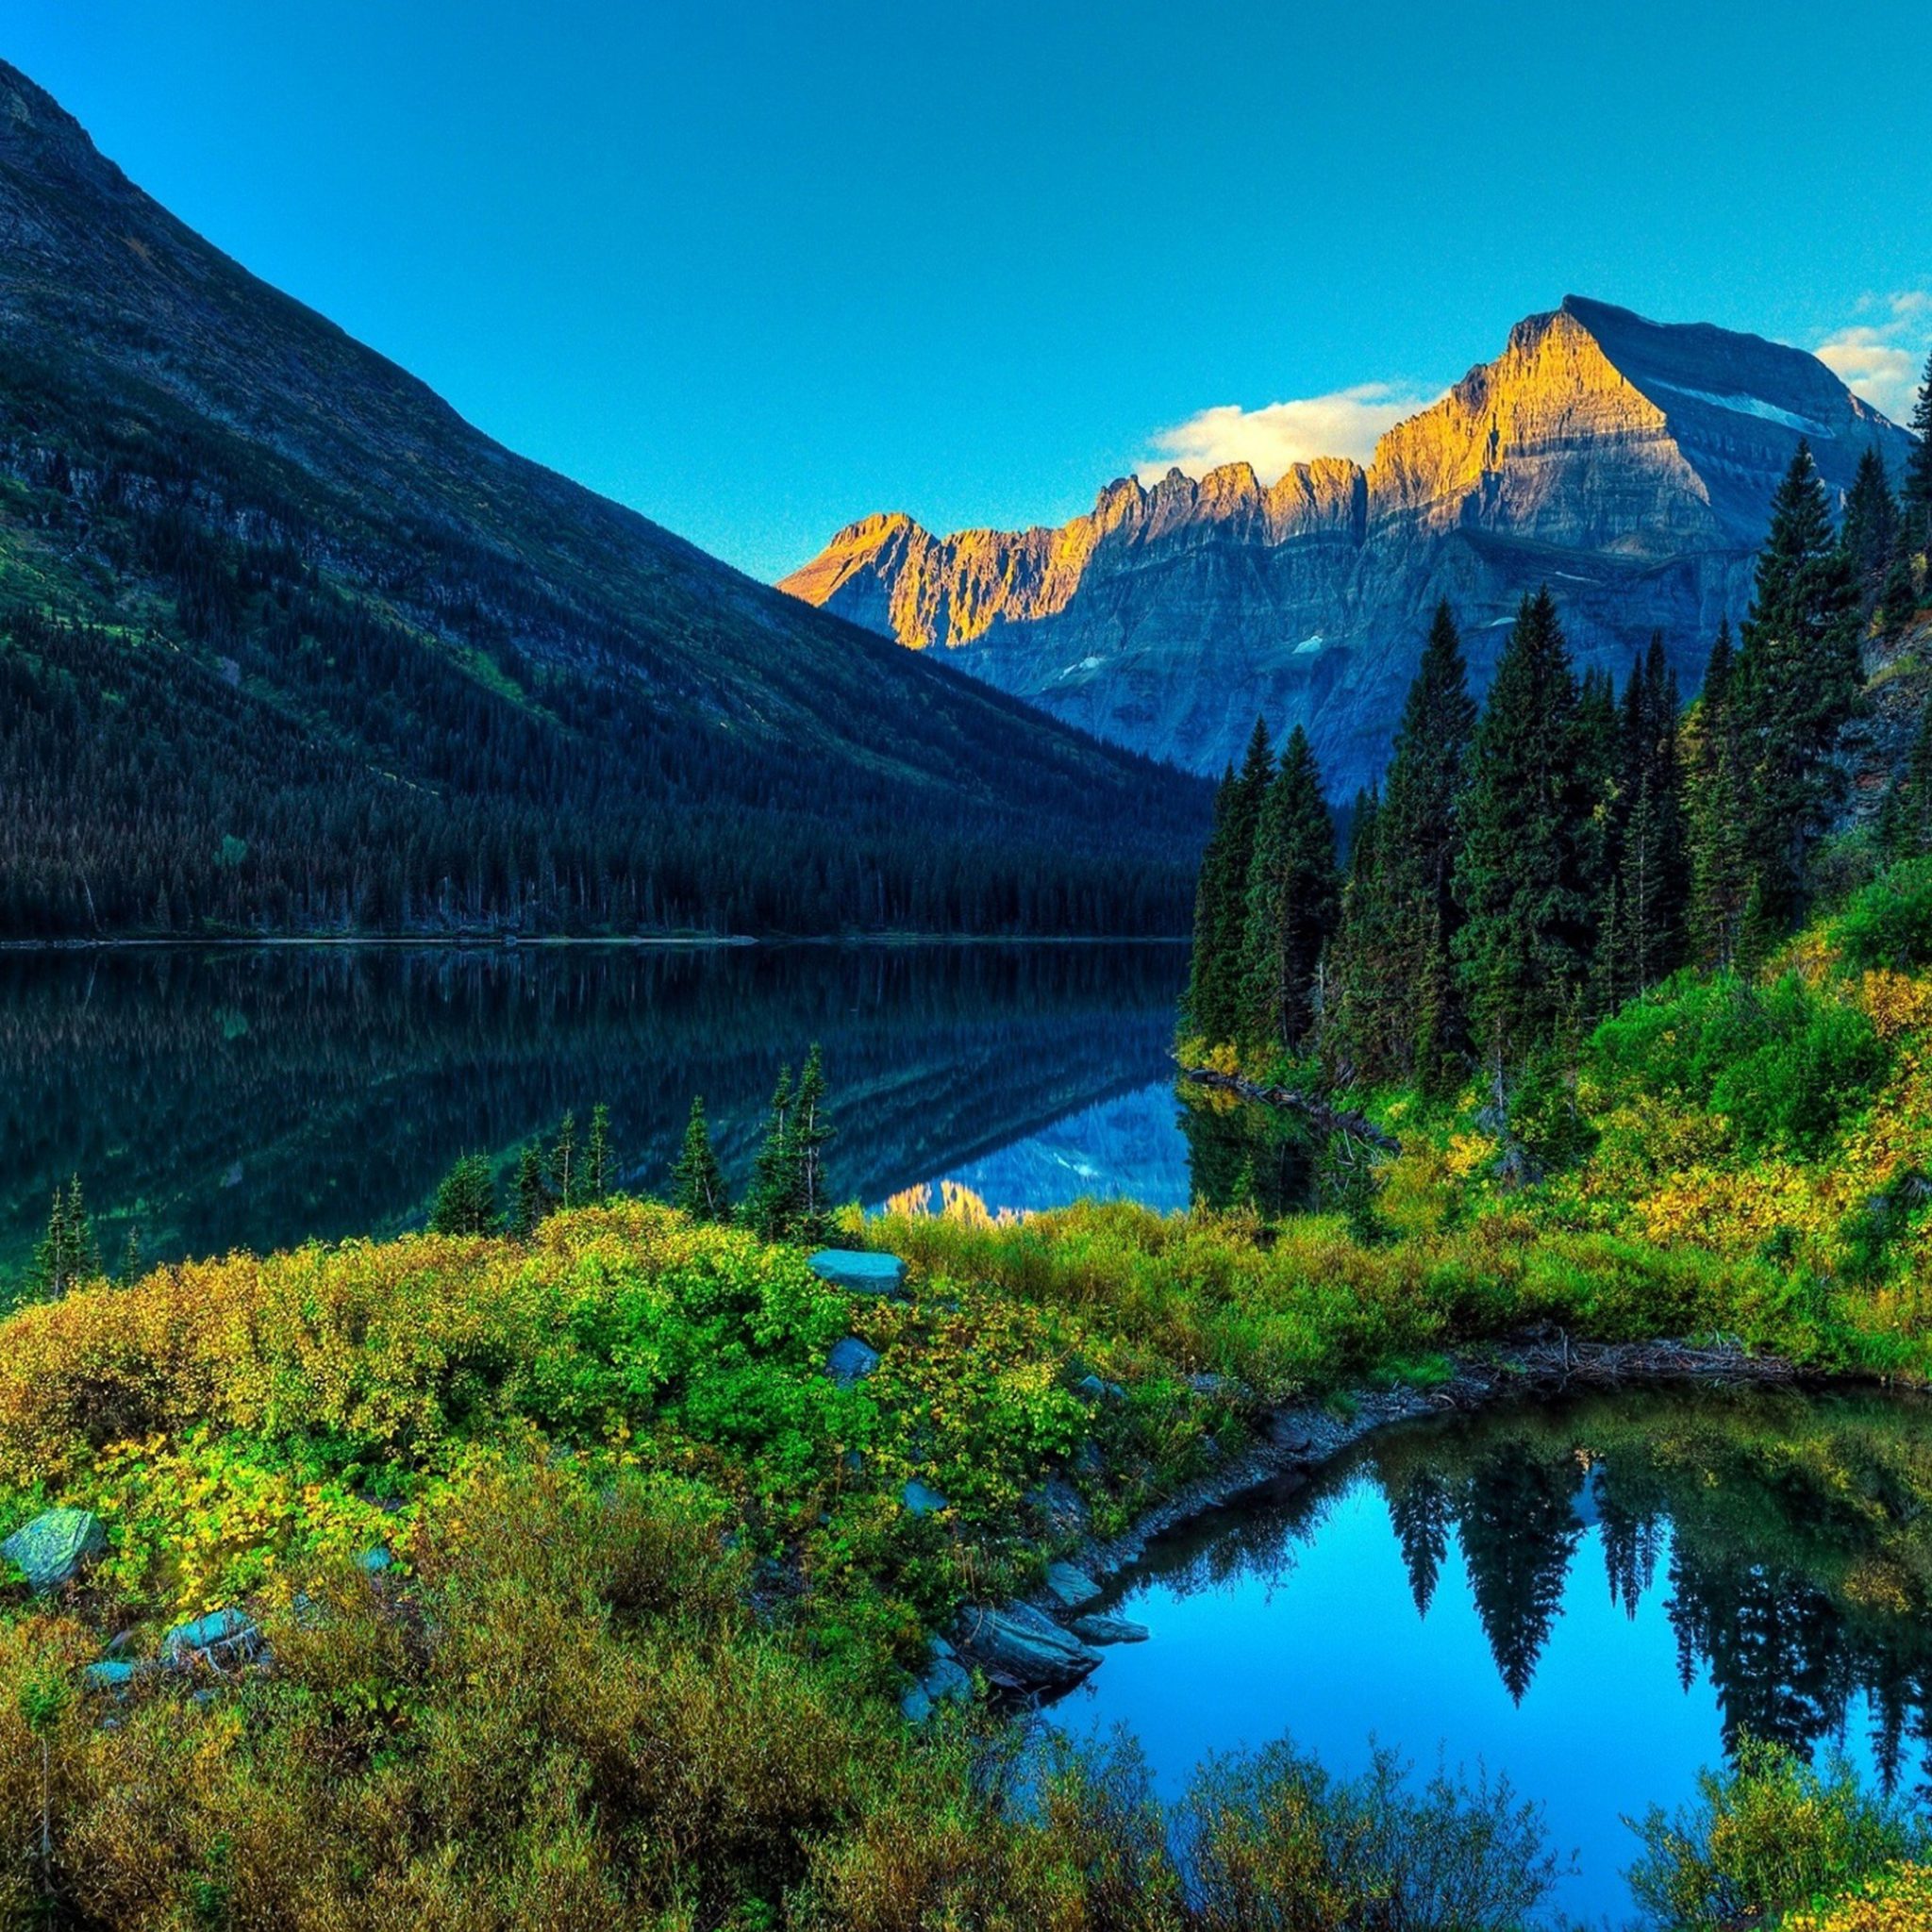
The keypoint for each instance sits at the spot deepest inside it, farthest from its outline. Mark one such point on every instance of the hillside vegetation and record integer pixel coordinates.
(287, 646)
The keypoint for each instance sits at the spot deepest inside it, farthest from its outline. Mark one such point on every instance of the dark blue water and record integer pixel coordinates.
(228, 1097)
(1593, 1601)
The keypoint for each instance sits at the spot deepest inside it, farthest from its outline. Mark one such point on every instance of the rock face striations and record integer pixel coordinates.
(1627, 463)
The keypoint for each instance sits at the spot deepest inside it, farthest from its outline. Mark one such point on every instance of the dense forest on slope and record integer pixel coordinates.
(285, 646)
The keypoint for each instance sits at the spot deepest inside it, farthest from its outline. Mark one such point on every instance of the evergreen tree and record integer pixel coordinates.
(132, 1258)
(1523, 875)
(1797, 680)
(1359, 965)
(1643, 943)
(600, 1176)
(1519, 1532)
(1420, 1028)
(534, 1196)
(1717, 808)
(1915, 510)
(697, 1182)
(564, 1177)
(773, 1202)
(466, 1199)
(1213, 998)
(1422, 1512)
(811, 1130)
(1905, 822)
(1870, 531)
(1294, 898)
(68, 1252)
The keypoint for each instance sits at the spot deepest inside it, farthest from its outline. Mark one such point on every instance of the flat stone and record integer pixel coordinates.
(375, 1562)
(1069, 1588)
(947, 1682)
(231, 1631)
(1023, 1649)
(850, 1361)
(54, 1546)
(1102, 1628)
(1059, 1502)
(111, 1674)
(858, 1271)
(921, 1498)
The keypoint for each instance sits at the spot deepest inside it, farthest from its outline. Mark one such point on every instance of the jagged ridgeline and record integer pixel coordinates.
(1629, 465)
(285, 645)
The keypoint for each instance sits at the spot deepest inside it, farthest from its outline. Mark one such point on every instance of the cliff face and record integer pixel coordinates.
(1628, 464)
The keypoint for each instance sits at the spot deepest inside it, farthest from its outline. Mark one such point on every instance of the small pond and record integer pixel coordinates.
(1594, 1597)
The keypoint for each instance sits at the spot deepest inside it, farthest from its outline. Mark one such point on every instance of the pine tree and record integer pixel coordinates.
(1419, 1029)
(1212, 1001)
(1870, 531)
(1644, 942)
(68, 1252)
(466, 1200)
(812, 1131)
(1294, 898)
(1797, 680)
(1358, 967)
(773, 1202)
(564, 1177)
(132, 1258)
(1915, 510)
(600, 1177)
(1717, 807)
(697, 1181)
(1523, 878)
(534, 1196)
(1905, 824)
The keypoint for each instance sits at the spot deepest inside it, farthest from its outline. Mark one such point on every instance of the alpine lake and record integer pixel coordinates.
(1592, 1598)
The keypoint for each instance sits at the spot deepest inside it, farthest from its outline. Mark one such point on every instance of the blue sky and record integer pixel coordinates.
(757, 269)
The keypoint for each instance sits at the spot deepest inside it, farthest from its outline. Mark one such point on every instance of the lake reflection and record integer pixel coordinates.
(255, 1097)
(1595, 1599)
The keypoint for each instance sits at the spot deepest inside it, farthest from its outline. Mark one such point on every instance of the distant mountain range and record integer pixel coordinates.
(286, 645)
(1627, 463)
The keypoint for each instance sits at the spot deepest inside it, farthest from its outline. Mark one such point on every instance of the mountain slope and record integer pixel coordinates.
(1629, 463)
(323, 654)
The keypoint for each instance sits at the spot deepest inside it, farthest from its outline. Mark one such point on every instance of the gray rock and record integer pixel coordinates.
(921, 1499)
(111, 1674)
(1059, 1502)
(51, 1548)
(1069, 1588)
(372, 1562)
(915, 1707)
(858, 1271)
(1089, 1461)
(1089, 1388)
(850, 1361)
(1103, 1628)
(220, 1638)
(1023, 1649)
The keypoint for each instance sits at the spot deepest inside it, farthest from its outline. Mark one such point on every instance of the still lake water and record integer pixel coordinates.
(1593, 1598)
(252, 1098)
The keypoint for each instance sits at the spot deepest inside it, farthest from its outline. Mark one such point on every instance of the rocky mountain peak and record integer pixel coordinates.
(1629, 463)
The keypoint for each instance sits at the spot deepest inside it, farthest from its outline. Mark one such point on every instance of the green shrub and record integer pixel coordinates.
(1770, 1833)
(1890, 923)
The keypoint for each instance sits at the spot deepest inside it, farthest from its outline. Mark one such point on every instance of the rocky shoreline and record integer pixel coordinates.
(1037, 1647)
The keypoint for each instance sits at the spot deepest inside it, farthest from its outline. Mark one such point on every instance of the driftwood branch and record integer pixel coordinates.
(1331, 1120)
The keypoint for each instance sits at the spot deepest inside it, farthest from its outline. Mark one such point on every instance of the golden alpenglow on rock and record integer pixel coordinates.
(1629, 463)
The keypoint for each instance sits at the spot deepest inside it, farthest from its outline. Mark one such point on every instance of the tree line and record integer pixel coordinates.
(1530, 863)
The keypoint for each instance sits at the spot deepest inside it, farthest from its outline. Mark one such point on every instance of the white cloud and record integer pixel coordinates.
(1344, 424)
(1884, 360)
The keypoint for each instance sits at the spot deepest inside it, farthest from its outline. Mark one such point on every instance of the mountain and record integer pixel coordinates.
(285, 645)
(1629, 463)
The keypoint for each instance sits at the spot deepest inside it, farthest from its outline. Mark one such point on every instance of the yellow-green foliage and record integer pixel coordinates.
(1895, 1900)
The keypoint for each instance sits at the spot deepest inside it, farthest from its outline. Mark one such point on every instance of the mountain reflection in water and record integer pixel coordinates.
(242, 1097)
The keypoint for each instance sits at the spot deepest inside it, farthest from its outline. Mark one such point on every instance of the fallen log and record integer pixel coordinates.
(1331, 1120)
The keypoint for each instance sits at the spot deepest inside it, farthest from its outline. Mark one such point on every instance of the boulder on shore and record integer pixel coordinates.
(1102, 1628)
(1021, 1648)
(850, 1361)
(858, 1271)
(51, 1548)
(1069, 1587)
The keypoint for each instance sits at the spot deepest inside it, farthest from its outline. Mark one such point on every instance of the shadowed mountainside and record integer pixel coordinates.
(285, 645)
